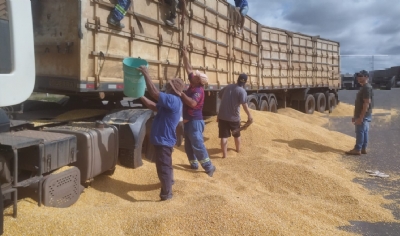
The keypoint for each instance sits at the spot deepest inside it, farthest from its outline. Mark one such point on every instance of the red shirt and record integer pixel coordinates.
(197, 94)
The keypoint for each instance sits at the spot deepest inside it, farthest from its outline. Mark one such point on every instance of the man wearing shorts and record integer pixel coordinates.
(243, 9)
(232, 96)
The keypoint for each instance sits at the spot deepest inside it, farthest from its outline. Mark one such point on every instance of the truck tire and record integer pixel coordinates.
(264, 105)
(308, 105)
(252, 104)
(331, 102)
(320, 102)
(273, 106)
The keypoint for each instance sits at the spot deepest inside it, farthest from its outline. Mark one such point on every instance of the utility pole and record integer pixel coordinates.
(367, 55)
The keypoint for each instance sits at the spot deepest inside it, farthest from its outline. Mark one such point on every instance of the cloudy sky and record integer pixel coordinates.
(363, 27)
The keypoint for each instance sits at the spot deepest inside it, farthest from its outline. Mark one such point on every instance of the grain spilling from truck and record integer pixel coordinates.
(289, 177)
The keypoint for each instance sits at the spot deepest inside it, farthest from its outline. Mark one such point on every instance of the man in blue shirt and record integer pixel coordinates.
(162, 135)
(243, 9)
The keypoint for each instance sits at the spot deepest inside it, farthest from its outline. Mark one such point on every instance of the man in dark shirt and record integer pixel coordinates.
(362, 114)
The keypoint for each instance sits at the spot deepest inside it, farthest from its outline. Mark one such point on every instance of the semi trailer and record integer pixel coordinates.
(67, 48)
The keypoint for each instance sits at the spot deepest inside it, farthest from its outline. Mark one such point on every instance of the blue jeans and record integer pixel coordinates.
(194, 145)
(362, 133)
(244, 10)
(120, 9)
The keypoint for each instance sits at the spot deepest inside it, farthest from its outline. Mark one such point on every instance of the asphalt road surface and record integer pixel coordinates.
(383, 155)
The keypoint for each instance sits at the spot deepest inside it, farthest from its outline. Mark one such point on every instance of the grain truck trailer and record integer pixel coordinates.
(68, 48)
(78, 54)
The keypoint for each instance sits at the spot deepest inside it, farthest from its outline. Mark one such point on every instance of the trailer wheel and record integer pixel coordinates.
(252, 104)
(273, 106)
(309, 104)
(264, 105)
(332, 99)
(320, 102)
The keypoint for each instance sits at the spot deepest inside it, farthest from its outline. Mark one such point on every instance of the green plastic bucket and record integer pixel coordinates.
(134, 83)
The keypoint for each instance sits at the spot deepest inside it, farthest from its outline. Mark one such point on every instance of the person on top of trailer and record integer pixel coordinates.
(232, 96)
(173, 5)
(193, 101)
(243, 8)
(163, 130)
(118, 13)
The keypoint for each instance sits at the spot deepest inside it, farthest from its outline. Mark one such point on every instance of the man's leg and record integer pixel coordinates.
(196, 138)
(224, 134)
(118, 13)
(172, 7)
(236, 136)
(359, 137)
(189, 147)
(366, 135)
(237, 143)
(224, 147)
(164, 170)
(243, 12)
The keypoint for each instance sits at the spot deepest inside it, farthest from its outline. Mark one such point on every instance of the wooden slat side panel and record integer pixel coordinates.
(208, 38)
(56, 38)
(3, 10)
(275, 56)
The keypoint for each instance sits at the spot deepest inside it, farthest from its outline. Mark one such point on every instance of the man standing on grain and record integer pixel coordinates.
(362, 114)
(232, 96)
(163, 136)
(193, 101)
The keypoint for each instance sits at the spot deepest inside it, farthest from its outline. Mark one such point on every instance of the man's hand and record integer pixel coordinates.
(250, 119)
(358, 121)
(144, 70)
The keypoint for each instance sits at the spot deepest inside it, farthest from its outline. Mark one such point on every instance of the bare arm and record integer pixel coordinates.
(366, 103)
(188, 100)
(246, 109)
(186, 62)
(148, 103)
(149, 84)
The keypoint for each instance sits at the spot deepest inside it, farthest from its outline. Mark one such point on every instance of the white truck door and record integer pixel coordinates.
(17, 58)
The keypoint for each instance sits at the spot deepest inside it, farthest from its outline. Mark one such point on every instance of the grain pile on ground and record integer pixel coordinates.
(343, 109)
(316, 118)
(289, 179)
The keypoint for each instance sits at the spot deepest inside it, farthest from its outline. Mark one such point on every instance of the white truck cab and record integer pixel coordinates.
(17, 59)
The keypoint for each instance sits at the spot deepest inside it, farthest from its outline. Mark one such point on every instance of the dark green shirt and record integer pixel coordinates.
(365, 92)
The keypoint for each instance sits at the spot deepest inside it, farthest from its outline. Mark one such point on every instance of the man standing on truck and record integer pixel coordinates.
(232, 96)
(173, 4)
(243, 8)
(193, 101)
(162, 135)
(362, 114)
(118, 13)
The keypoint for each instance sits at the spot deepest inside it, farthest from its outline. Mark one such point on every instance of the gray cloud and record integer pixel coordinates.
(368, 27)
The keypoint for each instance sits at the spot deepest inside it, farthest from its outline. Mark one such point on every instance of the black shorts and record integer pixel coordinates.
(226, 127)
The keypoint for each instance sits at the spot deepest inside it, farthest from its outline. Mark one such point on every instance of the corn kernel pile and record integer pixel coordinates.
(290, 178)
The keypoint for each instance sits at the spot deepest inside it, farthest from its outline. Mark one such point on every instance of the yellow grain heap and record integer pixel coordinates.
(73, 115)
(289, 179)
